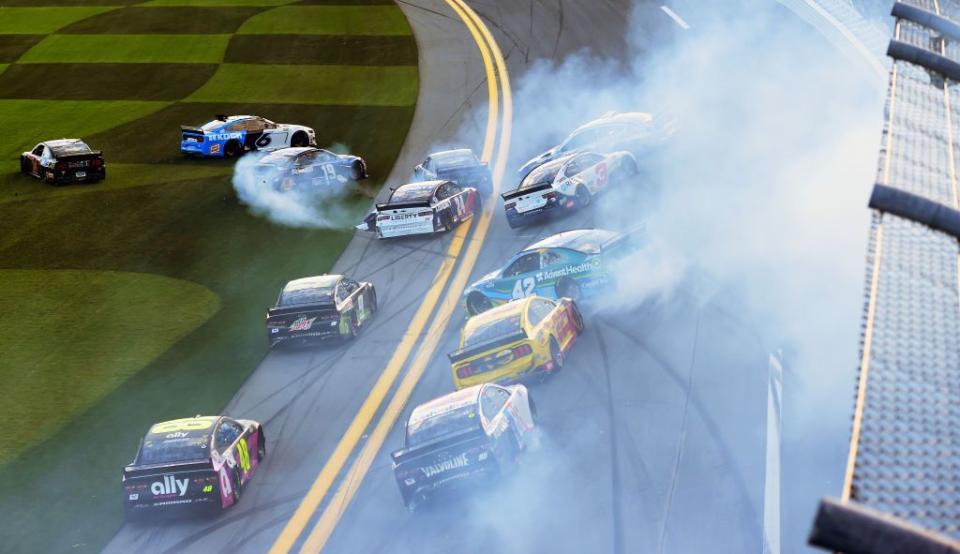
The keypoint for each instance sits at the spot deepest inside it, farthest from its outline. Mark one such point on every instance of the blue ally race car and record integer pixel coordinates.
(230, 136)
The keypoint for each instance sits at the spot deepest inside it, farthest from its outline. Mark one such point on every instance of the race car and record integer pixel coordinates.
(572, 264)
(230, 136)
(564, 184)
(516, 340)
(304, 167)
(458, 438)
(322, 307)
(612, 132)
(460, 166)
(198, 462)
(63, 161)
(422, 208)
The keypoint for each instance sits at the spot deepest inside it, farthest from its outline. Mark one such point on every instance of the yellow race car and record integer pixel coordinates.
(515, 340)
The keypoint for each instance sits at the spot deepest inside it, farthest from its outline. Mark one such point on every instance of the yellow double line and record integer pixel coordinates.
(496, 74)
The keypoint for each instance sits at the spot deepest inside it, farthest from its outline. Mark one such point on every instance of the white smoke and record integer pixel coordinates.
(305, 207)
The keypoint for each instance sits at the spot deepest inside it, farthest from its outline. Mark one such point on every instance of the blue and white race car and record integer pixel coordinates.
(230, 136)
(572, 264)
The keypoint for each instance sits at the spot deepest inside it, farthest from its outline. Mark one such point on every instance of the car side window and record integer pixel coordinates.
(553, 257)
(454, 189)
(524, 264)
(38, 151)
(443, 192)
(342, 293)
(428, 164)
(492, 400)
(350, 286)
(226, 434)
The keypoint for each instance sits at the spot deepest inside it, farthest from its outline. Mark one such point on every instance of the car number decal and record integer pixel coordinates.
(244, 452)
(181, 425)
(524, 287)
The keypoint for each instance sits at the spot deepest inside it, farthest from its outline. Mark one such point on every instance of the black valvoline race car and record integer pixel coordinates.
(322, 307)
(308, 168)
(460, 166)
(449, 441)
(422, 208)
(199, 462)
(63, 161)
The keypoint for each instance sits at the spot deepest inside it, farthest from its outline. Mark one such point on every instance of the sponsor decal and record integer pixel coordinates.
(134, 496)
(169, 486)
(196, 424)
(585, 267)
(208, 488)
(303, 323)
(177, 435)
(402, 217)
(446, 465)
(214, 148)
(224, 136)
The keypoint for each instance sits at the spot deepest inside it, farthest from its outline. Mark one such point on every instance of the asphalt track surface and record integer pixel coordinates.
(653, 433)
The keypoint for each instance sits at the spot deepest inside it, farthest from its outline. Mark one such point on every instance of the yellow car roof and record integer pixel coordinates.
(502, 311)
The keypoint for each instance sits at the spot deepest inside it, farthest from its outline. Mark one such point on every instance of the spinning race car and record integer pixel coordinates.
(572, 264)
(457, 438)
(230, 136)
(564, 184)
(460, 166)
(612, 132)
(322, 307)
(305, 167)
(516, 340)
(200, 462)
(63, 161)
(422, 208)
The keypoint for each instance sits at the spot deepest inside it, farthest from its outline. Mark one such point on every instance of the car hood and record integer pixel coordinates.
(487, 278)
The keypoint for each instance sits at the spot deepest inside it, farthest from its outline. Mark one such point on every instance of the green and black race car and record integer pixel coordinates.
(321, 307)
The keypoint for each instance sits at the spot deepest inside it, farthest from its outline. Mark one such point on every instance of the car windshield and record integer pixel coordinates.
(457, 159)
(213, 125)
(436, 426)
(492, 330)
(160, 450)
(412, 193)
(543, 175)
(299, 296)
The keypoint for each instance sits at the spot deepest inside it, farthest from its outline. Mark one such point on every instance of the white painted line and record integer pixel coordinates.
(771, 484)
(675, 17)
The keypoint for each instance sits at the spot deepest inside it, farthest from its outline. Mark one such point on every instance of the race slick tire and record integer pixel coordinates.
(299, 140)
(556, 355)
(583, 197)
(577, 317)
(24, 167)
(236, 487)
(353, 329)
(478, 303)
(373, 300)
(232, 149)
(568, 288)
(446, 222)
(262, 447)
(533, 408)
(356, 171)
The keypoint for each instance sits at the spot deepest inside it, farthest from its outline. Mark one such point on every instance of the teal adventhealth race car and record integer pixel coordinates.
(573, 264)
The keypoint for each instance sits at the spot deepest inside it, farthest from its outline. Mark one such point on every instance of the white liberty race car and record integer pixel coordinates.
(230, 136)
(565, 184)
(613, 131)
(422, 208)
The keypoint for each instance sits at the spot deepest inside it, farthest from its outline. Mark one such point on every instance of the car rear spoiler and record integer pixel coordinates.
(518, 192)
(475, 349)
(153, 469)
(85, 156)
(286, 310)
(402, 205)
(191, 129)
(405, 454)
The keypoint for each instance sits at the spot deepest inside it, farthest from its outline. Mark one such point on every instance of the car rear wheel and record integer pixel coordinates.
(299, 140)
(446, 222)
(356, 171)
(583, 197)
(236, 487)
(373, 299)
(556, 355)
(577, 317)
(231, 149)
(478, 303)
(568, 288)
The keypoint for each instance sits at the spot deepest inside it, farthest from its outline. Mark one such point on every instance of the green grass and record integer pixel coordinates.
(323, 49)
(137, 20)
(312, 84)
(27, 122)
(329, 20)
(153, 3)
(34, 21)
(13, 46)
(128, 49)
(73, 336)
(104, 81)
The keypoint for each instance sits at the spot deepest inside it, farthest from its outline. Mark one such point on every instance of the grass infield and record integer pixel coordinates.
(112, 81)
(329, 20)
(345, 85)
(83, 316)
(43, 20)
(62, 119)
(128, 49)
(322, 49)
(13, 46)
(165, 21)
